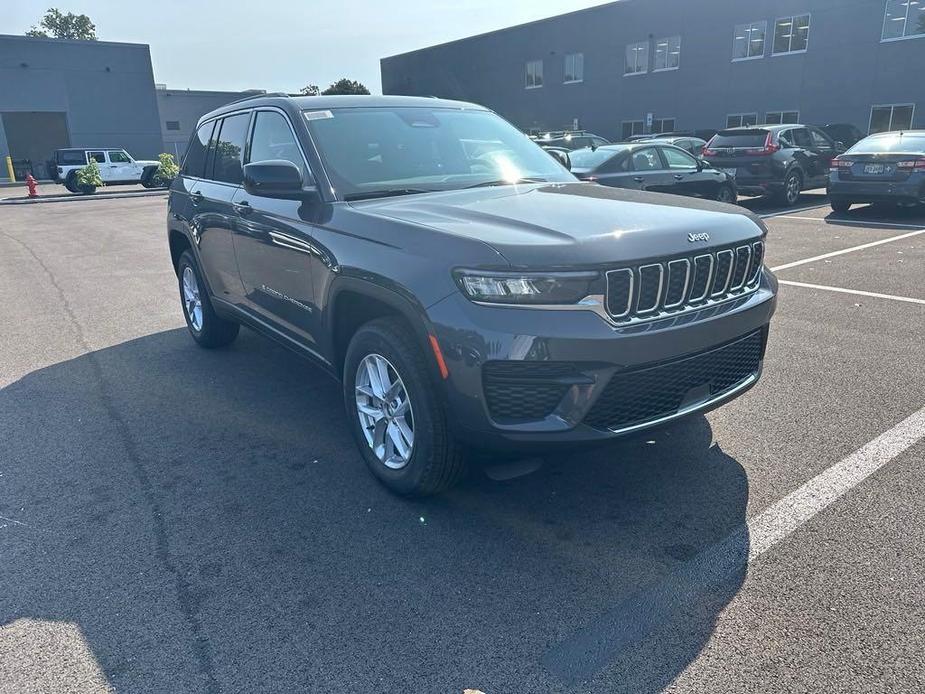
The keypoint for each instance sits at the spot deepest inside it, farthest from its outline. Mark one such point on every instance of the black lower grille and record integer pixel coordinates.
(525, 390)
(647, 394)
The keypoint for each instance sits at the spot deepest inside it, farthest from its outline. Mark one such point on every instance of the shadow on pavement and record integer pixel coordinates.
(203, 517)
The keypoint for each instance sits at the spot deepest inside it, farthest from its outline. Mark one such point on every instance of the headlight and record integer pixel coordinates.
(528, 287)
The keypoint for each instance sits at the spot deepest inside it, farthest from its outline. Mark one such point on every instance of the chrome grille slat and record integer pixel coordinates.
(654, 290)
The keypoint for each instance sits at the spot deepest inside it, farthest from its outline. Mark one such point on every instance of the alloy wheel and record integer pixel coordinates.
(793, 189)
(385, 412)
(192, 303)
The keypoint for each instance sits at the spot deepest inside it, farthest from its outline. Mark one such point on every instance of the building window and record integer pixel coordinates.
(633, 127)
(173, 125)
(737, 120)
(782, 117)
(662, 125)
(749, 40)
(668, 53)
(534, 74)
(574, 67)
(891, 117)
(903, 19)
(637, 58)
(791, 34)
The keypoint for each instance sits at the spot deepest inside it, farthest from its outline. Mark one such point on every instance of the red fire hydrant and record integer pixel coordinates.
(31, 185)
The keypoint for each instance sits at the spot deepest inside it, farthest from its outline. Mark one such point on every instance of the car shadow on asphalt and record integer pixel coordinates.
(204, 519)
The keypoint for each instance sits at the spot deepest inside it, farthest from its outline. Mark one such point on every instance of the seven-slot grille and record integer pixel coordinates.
(656, 289)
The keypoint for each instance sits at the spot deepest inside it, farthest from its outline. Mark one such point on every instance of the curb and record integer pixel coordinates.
(71, 198)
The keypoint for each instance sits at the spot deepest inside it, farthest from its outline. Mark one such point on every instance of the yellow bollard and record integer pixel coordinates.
(9, 167)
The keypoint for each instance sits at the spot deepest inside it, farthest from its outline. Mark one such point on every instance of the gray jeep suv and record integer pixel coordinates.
(463, 286)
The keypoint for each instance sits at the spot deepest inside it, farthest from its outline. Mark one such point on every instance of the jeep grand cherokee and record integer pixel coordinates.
(460, 282)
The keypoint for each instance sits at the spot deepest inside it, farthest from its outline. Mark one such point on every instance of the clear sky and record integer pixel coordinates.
(282, 45)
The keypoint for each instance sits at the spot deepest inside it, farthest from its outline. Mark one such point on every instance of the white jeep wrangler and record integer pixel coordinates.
(116, 167)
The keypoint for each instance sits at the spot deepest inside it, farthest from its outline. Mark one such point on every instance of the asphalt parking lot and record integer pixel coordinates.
(177, 520)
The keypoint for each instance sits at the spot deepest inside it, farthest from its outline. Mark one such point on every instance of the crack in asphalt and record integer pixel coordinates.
(201, 646)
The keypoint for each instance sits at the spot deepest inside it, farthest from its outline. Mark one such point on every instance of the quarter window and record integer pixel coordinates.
(782, 117)
(749, 40)
(273, 139)
(737, 120)
(574, 67)
(195, 160)
(791, 34)
(903, 19)
(633, 127)
(668, 53)
(534, 73)
(889, 118)
(637, 58)
(229, 149)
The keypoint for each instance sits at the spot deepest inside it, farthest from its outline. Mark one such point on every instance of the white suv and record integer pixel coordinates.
(116, 167)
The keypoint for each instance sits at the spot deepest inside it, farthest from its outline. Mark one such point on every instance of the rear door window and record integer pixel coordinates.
(229, 149)
(647, 160)
(98, 157)
(195, 160)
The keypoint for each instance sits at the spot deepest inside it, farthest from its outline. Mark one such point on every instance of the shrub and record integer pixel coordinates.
(89, 176)
(167, 170)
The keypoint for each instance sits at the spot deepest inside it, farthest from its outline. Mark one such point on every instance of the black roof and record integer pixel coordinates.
(321, 103)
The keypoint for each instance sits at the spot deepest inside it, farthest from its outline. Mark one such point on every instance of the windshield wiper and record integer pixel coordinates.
(387, 193)
(503, 182)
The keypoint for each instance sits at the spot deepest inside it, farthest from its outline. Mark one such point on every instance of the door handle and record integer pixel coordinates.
(639, 179)
(678, 177)
(195, 198)
(242, 208)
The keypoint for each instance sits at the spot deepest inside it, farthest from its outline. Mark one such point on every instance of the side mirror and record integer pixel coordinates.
(275, 178)
(562, 157)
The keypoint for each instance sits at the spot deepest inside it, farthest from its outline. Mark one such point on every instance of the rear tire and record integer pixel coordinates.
(71, 182)
(789, 195)
(383, 411)
(206, 327)
(839, 205)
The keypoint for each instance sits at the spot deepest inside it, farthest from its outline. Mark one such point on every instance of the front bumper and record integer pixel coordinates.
(572, 357)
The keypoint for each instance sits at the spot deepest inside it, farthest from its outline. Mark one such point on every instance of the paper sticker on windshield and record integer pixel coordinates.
(318, 115)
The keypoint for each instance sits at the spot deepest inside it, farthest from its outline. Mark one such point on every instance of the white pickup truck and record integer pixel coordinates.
(116, 167)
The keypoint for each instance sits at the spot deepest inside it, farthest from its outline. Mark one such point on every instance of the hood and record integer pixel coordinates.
(147, 162)
(564, 225)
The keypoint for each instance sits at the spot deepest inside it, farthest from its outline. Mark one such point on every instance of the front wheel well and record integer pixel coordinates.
(351, 311)
(178, 244)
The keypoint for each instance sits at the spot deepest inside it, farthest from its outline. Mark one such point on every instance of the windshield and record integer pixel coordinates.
(370, 152)
(891, 143)
(592, 158)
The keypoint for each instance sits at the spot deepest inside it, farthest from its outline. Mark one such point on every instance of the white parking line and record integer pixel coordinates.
(847, 250)
(779, 520)
(857, 222)
(594, 647)
(842, 290)
(784, 213)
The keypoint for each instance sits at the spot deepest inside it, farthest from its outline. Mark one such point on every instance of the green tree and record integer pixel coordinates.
(58, 25)
(346, 86)
(310, 90)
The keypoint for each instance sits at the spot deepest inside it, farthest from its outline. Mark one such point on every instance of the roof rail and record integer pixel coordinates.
(256, 96)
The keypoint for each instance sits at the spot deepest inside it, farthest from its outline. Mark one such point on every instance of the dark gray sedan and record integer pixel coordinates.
(656, 167)
(887, 168)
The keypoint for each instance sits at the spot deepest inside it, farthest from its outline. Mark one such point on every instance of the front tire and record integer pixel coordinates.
(727, 195)
(839, 205)
(206, 327)
(395, 415)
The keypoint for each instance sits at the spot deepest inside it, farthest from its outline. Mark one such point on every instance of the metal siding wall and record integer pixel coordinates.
(845, 71)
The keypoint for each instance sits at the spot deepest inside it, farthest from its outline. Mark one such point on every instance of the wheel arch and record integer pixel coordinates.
(178, 242)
